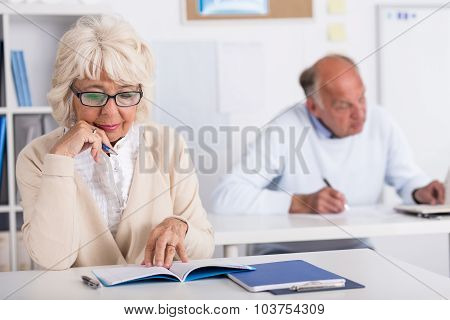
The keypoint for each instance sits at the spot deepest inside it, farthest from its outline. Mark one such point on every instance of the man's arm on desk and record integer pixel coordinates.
(433, 193)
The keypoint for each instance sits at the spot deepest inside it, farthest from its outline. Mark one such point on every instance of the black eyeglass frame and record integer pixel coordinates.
(78, 95)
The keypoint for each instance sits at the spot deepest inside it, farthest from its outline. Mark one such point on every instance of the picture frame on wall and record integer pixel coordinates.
(233, 7)
(204, 10)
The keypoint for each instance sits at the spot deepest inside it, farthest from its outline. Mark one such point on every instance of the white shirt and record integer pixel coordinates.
(357, 165)
(109, 181)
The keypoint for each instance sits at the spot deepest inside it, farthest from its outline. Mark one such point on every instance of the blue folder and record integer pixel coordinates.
(24, 79)
(2, 144)
(283, 275)
(18, 84)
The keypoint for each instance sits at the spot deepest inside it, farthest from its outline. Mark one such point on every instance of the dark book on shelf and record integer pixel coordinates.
(4, 221)
(28, 128)
(4, 194)
(2, 76)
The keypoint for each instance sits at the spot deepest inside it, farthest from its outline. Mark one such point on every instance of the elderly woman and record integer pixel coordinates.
(107, 187)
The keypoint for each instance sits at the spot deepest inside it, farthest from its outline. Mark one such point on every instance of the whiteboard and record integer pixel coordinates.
(186, 98)
(414, 79)
(241, 77)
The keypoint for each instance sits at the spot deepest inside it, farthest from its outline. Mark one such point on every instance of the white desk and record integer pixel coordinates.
(359, 222)
(382, 278)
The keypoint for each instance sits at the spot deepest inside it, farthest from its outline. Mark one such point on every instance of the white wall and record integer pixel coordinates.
(290, 46)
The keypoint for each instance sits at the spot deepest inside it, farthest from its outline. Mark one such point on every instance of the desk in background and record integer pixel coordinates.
(359, 222)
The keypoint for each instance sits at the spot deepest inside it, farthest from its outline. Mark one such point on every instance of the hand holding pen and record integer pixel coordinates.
(81, 137)
(326, 200)
(108, 149)
(346, 206)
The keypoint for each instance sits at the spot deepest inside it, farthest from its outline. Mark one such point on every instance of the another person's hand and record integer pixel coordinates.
(80, 137)
(164, 242)
(326, 200)
(433, 193)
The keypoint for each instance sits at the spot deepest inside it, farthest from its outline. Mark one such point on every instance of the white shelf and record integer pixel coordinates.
(50, 10)
(32, 110)
(6, 208)
(27, 110)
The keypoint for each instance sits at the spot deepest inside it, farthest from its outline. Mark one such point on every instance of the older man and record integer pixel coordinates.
(319, 156)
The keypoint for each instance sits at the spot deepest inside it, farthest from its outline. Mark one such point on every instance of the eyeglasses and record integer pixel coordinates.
(100, 99)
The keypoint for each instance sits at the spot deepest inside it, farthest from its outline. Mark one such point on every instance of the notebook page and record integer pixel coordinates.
(183, 269)
(116, 275)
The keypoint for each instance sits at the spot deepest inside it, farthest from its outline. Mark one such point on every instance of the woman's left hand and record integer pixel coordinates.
(164, 242)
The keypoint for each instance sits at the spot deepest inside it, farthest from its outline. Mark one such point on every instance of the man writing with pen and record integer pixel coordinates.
(320, 155)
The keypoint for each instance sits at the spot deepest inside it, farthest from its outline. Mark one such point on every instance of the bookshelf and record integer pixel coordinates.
(35, 29)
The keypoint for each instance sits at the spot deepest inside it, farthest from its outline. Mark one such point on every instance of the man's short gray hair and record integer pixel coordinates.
(309, 79)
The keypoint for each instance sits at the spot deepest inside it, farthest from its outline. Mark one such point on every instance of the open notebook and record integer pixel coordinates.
(424, 210)
(178, 272)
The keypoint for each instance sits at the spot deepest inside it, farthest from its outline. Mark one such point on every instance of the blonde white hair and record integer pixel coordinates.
(97, 44)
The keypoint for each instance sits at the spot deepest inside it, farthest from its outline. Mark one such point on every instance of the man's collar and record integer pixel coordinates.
(320, 128)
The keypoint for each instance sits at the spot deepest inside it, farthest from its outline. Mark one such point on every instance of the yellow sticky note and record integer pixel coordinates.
(337, 6)
(336, 32)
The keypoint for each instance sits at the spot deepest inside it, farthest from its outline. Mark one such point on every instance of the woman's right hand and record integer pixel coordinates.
(79, 138)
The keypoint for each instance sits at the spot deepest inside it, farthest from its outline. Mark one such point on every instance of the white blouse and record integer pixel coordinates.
(109, 180)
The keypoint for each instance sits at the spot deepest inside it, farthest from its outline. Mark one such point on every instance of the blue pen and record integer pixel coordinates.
(108, 149)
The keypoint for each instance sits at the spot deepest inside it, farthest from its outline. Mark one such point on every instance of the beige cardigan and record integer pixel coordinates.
(63, 227)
